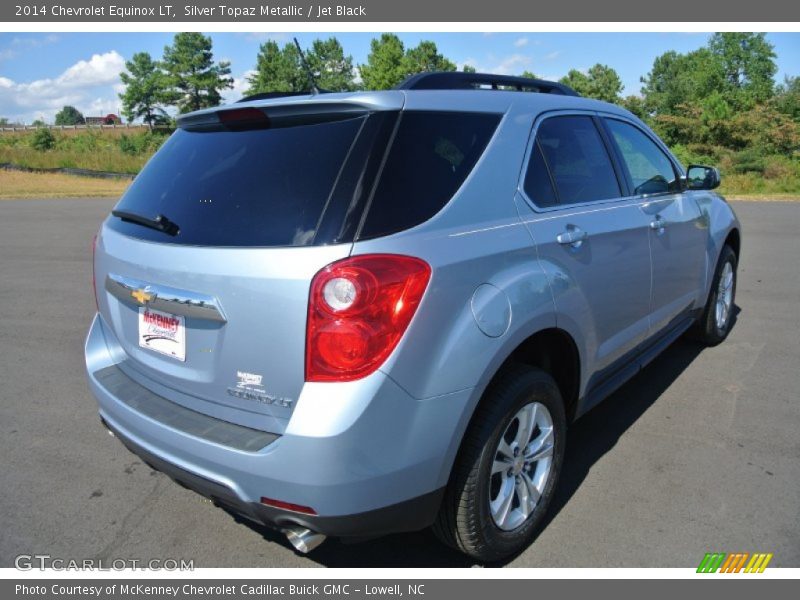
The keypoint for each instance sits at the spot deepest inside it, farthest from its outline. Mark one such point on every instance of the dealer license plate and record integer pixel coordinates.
(162, 332)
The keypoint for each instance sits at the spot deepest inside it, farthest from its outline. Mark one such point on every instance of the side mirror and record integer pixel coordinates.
(701, 177)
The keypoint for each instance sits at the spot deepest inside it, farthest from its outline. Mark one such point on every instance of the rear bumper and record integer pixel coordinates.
(409, 515)
(381, 469)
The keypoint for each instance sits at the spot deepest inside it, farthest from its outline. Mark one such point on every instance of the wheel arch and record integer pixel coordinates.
(551, 349)
(554, 351)
(734, 240)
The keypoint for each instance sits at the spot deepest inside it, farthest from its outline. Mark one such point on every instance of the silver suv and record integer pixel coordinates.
(364, 313)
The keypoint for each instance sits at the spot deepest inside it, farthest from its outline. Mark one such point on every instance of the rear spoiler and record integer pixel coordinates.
(268, 117)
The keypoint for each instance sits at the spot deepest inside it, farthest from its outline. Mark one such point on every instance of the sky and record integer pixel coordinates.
(41, 72)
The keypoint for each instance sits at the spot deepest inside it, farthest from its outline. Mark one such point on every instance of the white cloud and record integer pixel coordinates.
(101, 105)
(512, 64)
(519, 43)
(98, 70)
(89, 85)
(553, 55)
(239, 89)
(551, 77)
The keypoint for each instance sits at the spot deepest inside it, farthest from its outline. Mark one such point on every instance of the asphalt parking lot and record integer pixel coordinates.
(699, 453)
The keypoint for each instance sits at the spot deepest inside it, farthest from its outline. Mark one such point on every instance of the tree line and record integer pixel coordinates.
(188, 78)
(718, 104)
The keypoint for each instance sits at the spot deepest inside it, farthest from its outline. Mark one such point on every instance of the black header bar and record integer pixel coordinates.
(441, 11)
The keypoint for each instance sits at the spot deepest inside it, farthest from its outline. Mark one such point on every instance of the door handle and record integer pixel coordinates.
(573, 236)
(658, 224)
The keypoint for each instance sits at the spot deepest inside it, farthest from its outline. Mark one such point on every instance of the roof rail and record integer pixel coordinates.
(271, 95)
(457, 80)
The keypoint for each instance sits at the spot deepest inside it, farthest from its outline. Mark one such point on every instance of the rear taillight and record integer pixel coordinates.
(358, 310)
(94, 281)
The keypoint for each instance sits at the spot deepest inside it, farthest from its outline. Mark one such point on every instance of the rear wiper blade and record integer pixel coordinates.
(159, 222)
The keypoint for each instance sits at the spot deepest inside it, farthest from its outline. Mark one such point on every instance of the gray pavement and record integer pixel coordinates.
(700, 452)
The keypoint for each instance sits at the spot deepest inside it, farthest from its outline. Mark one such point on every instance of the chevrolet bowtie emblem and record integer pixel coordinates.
(141, 296)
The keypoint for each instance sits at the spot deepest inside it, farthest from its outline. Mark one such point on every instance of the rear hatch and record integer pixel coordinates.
(203, 269)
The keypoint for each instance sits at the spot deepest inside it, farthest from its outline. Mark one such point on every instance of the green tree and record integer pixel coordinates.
(738, 66)
(333, 71)
(424, 58)
(747, 63)
(636, 105)
(43, 140)
(145, 89)
(529, 74)
(194, 79)
(716, 107)
(69, 115)
(600, 82)
(385, 66)
(787, 97)
(676, 79)
(277, 70)
(469, 69)
(3, 121)
(37, 123)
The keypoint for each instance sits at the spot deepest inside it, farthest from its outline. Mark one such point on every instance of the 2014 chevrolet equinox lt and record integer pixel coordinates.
(363, 313)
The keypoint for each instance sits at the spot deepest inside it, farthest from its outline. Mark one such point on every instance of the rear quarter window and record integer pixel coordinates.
(431, 156)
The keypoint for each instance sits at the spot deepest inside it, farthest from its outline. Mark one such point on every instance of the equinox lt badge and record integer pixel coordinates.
(248, 387)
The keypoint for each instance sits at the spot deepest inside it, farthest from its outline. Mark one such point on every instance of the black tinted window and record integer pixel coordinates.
(432, 154)
(265, 187)
(538, 184)
(578, 160)
(649, 168)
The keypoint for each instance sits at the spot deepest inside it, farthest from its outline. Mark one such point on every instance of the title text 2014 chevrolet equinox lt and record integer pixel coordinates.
(363, 313)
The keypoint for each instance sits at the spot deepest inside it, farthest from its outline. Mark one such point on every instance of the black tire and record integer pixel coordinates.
(706, 329)
(465, 521)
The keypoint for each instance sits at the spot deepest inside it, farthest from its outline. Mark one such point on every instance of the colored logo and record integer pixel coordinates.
(735, 562)
(141, 296)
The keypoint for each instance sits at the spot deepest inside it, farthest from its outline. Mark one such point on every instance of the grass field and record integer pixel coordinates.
(753, 185)
(16, 184)
(114, 150)
(103, 159)
(127, 150)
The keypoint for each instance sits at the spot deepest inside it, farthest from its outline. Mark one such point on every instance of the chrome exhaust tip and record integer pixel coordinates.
(303, 539)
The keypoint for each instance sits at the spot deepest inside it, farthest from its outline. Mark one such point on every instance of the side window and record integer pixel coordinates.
(571, 148)
(650, 170)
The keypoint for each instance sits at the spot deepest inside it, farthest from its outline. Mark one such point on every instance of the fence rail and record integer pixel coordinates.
(67, 171)
(11, 129)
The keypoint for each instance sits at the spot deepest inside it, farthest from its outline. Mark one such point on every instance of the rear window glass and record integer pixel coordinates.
(431, 156)
(265, 187)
